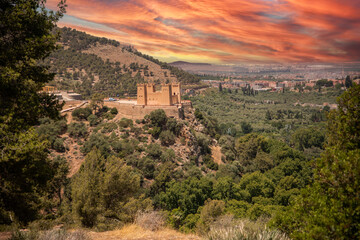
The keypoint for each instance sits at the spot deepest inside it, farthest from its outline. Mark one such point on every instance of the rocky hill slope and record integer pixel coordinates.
(89, 64)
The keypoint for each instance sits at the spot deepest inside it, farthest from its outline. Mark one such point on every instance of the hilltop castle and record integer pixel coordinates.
(169, 95)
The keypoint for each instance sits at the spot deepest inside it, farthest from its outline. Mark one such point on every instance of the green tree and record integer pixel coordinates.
(246, 127)
(329, 208)
(97, 102)
(25, 38)
(167, 138)
(268, 115)
(308, 137)
(85, 190)
(348, 82)
(26, 171)
(158, 118)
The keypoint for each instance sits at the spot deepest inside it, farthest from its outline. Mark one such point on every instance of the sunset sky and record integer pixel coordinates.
(225, 31)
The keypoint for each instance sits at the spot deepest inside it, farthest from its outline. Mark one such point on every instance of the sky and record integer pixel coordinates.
(225, 31)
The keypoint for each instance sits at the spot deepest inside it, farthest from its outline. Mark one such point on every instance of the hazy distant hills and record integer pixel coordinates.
(182, 63)
(207, 68)
(89, 64)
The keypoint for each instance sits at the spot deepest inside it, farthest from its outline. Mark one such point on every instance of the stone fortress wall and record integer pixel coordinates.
(169, 95)
(148, 100)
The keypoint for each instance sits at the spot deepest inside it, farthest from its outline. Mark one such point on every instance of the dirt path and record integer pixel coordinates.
(216, 154)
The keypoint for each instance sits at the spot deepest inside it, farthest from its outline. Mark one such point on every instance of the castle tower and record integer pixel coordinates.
(176, 91)
(166, 95)
(150, 88)
(141, 94)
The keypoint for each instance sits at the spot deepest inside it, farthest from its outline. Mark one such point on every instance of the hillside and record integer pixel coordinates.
(89, 64)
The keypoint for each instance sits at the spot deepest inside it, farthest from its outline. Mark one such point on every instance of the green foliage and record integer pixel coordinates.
(329, 208)
(26, 172)
(348, 82)
(125, 123)
(58, 145)
(26, 37)
(324, 82)
(51, 130)
(102, 191)
(307, 138)
(25, 169)
(231, 109)
(81, 113)
(85, 190)
(246, 127)
(93, 120)
(167, 138)
(188, 195)
(209, 213)
(77, 130)
(97, 102)
(173, 126)
(158, 118)
(99, 141)
(209, 162)
(114, 111)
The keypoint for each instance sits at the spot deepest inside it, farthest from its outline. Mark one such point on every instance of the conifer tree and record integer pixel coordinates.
(25, 169)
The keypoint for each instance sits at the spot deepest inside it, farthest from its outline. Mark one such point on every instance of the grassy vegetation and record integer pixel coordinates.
(266, 112)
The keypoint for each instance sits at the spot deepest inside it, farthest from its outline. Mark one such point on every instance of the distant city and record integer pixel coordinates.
(274, 71)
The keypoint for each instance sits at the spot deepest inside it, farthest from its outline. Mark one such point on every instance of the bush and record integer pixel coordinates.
(81, 113)
(59, 145)
(246, 127)
(209, 162)
(114, 111)
(77, 130)
(173, 126)
(158, 118)
(167, 138)
(109, 116)
(98, 140)
(93, 120)
(125, 123)
(109, 127)
(155, 132)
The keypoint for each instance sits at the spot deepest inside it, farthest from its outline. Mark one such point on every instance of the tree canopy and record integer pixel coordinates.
(329, 208)
(25, 169)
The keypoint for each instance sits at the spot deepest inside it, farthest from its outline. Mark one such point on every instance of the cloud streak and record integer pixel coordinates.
(227, 31)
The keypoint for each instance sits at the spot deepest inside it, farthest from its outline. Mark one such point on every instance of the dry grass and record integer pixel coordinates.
(59, 234)
(151, 220)
(244, 230)
(134, 232)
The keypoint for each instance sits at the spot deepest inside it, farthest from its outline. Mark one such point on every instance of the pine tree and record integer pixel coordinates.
(25, 169)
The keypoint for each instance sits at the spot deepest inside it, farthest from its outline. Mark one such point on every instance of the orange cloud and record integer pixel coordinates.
(227, 31)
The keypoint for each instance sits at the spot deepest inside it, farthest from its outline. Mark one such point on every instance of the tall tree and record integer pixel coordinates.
(25, 169)
(348, 81)
(330, 207)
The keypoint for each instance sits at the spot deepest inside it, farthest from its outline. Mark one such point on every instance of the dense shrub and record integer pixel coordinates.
(167, 138)
(93, 120)
(114, 111)
(77, 130)
(81, 113)
(125, 123)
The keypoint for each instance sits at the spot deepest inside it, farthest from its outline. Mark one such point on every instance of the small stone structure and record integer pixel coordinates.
(169, 95)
